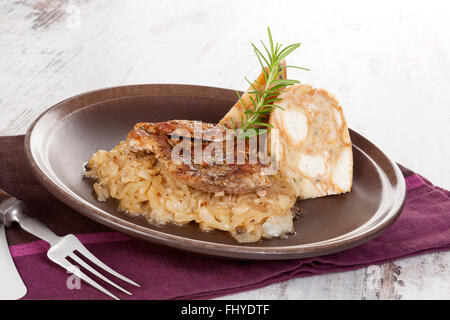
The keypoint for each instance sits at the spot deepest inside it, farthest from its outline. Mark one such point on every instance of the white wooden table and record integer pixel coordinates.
(387, 62)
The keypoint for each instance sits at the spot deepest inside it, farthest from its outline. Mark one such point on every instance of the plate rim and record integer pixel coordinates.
(233, 251)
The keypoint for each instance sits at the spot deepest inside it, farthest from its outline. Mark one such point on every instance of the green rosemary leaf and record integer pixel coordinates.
(284, 67)
(240, 99)
(253, 101)
(263, 99)
(233, 124)
(264, 124)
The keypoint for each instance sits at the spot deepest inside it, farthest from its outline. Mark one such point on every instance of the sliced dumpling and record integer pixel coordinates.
(315, 153)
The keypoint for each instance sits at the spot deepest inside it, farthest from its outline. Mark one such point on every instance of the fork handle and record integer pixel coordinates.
(13, 210)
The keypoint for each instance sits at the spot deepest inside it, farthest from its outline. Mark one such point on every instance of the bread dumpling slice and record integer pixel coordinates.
(315, 151)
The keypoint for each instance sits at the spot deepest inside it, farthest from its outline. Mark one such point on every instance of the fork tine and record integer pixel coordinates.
(95, 272)
(85, 252)
(73, 269)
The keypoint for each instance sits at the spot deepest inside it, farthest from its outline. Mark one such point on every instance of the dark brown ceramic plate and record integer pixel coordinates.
(63, 138)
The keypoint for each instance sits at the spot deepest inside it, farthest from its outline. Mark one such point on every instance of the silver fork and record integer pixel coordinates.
(61, 248)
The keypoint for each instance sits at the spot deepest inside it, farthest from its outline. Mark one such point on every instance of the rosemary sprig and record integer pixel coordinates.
(265, 96)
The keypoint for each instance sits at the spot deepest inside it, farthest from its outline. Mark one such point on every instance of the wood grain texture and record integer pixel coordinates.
(388, 68)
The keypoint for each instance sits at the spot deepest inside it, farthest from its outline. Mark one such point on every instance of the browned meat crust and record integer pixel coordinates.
(231, 178)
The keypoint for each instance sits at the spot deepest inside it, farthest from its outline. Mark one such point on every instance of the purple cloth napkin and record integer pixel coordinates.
(163, 273)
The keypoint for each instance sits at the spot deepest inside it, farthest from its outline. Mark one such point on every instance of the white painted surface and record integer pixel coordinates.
(387, 62)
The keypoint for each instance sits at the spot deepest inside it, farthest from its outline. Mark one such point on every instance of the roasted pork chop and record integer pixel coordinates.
(211, 174)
